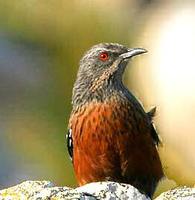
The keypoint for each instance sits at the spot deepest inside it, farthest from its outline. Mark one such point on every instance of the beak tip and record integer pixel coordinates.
(139, 50)
(145, 51)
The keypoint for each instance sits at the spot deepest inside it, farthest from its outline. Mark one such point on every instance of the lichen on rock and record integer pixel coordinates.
(179, 193)
(44, 190)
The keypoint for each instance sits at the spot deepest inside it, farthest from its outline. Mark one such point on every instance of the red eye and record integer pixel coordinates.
(104, 56)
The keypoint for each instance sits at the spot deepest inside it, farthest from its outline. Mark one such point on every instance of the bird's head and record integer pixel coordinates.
(101, 69)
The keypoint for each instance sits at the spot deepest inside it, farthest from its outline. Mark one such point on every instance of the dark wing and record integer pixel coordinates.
(153, 132)
(69, 142)
(150, 116)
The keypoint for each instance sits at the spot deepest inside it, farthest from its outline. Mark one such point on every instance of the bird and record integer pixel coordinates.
(110, 136)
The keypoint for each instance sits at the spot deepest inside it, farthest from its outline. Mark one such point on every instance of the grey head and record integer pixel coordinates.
(100, 72)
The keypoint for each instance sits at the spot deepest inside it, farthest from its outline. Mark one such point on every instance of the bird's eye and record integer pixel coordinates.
(104, 56)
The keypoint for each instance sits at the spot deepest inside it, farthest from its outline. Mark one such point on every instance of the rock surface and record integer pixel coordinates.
(180, 193)
(44, 190)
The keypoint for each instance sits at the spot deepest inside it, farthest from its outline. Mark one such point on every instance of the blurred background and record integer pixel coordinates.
(41, 43)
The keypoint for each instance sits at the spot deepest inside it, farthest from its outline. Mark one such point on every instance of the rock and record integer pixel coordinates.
(112, 191)
(180, 193)
(43, 190)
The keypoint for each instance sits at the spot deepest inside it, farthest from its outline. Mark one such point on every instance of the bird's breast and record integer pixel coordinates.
(100, 119)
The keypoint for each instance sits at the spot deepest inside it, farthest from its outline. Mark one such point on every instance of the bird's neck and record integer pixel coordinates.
(84, 94)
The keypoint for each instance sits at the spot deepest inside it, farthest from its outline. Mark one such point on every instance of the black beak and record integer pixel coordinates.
(132, 52)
